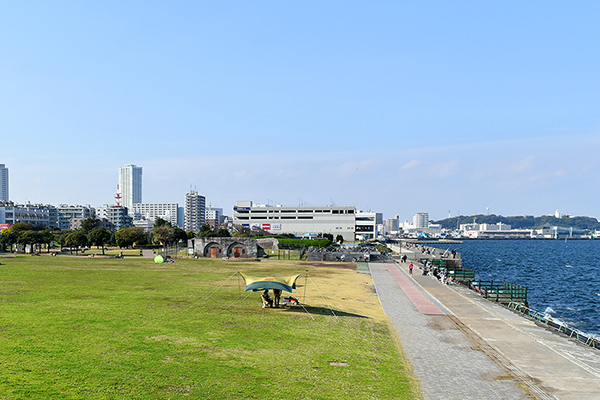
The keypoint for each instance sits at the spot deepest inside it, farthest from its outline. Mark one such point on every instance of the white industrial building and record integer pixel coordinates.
(490, 231)
(334, 220)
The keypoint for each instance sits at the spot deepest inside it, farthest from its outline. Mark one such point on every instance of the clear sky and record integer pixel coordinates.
(398, 107)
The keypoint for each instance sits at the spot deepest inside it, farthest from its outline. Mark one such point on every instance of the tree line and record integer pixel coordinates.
(91, 233)
(522, 222)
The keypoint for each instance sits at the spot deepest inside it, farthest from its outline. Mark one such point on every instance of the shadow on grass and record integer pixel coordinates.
(319, 311)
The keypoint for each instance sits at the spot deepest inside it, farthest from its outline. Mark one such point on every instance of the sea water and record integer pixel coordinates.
(562, 277)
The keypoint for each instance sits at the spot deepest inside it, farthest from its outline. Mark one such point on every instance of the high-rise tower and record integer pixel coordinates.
(3, 183)
(130, 185)
(194, 211)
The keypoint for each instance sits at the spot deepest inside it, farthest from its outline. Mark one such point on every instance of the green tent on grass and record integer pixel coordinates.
(159, 259)
(259, 284)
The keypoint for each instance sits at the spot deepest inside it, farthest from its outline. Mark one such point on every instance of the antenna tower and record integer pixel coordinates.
(118, 197)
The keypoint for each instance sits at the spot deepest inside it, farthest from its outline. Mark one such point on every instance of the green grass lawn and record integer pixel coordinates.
(80, 328)
(110, 251)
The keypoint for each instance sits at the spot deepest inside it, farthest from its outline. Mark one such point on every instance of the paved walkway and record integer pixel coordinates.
(465, 347)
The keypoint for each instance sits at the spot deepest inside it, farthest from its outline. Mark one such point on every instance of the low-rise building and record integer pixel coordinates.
(146, 224)
(366, 225)
(559, 232)
(117, 215)
(499, 234)
(35, 214)
(65, 213)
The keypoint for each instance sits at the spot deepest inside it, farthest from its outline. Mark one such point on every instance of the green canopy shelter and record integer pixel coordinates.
(286, 284)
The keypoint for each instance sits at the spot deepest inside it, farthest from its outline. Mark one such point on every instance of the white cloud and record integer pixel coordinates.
(560, 172)
(411, 164)
(446, 169)
(521, 166)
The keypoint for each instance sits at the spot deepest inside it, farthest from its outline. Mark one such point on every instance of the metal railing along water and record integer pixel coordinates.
(562, 327)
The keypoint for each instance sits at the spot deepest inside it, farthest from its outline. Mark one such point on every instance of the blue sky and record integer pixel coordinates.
(397, 107)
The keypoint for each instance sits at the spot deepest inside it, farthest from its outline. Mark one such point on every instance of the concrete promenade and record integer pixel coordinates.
(462, 346)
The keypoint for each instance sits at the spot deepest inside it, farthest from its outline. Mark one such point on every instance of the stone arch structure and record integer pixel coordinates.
(237, 250)
(213, 250)
(217, 247)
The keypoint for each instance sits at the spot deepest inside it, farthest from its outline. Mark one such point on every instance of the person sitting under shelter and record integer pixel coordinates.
(266, 299)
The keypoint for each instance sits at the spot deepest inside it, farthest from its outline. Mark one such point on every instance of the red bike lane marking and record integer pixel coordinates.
(422, 303)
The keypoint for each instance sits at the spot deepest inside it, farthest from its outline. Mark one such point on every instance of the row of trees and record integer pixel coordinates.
(92, 234)
(25, 235)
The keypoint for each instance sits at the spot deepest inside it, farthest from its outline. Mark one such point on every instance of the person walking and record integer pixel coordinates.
(410, 268)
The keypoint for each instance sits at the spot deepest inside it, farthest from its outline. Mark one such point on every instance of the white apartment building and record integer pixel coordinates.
(335, 220)
(4, 195)
(391, 225)
(421, 220)
(214, 216)
(420, 225)
(151, 211)
(130, 186)
(194, 211)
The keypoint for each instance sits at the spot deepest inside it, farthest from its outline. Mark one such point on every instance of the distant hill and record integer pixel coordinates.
(521, 222)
